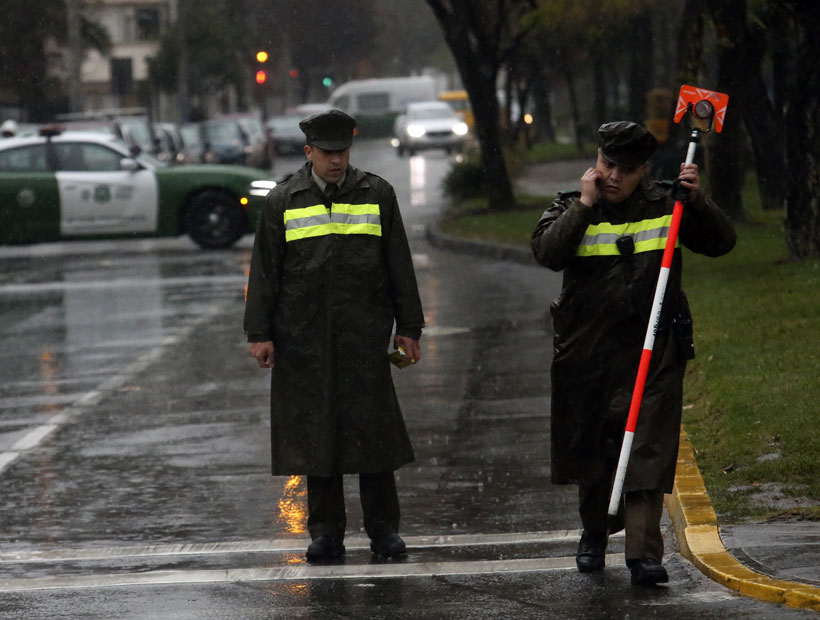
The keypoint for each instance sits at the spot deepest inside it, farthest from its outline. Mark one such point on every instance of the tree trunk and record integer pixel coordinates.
(478, 63)
(690, 41)
(543, 109)
(802, 122)
(640, 64)
(486, 112)
(741, 67)
(727, 161)
(576, 112)
(599, 84)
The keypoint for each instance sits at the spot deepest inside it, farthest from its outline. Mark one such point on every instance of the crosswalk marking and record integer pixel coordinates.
(288, 572)
(297, 572)
(279, 545)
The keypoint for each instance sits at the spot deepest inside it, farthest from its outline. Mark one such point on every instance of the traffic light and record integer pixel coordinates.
(261, 73)
(327, 81)
(294, 73)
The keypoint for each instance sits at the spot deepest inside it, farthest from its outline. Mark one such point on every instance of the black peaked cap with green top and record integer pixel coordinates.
(625, 143)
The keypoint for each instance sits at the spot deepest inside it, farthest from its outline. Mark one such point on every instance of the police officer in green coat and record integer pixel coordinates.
(608, 239)
(331, 273)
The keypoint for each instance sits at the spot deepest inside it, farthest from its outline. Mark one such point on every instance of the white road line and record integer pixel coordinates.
(122, 283)
(33, 437)
(86, 400)
(298, 572)
(278, 545)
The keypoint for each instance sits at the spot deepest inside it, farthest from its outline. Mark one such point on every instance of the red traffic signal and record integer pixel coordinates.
(261, 77)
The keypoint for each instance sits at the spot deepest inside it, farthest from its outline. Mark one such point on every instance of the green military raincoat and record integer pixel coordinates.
(611, 255)
(326, 283)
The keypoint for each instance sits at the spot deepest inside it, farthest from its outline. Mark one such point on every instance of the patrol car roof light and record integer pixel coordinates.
(49, 131)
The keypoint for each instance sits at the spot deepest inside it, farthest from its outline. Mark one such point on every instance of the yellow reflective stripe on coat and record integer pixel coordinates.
(340, 219)
(648, 235)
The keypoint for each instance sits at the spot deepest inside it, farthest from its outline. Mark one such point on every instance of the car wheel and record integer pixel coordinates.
(214, 219)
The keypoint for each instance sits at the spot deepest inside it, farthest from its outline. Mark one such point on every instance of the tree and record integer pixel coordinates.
(24, 33)
(802, 123)
(598, 39)
(307, 36)
(481, 36)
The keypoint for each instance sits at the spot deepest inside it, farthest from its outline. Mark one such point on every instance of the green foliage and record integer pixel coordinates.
(466, 179)
(24, 31)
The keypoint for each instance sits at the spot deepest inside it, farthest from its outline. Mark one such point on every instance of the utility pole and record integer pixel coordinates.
(75, 56)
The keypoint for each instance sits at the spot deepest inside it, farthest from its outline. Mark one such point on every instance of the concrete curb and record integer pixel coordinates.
(696, 528)
(498, 251)
(689, 506)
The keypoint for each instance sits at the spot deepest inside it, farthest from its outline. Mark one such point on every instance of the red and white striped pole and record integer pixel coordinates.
(706, 105)
(649, 343)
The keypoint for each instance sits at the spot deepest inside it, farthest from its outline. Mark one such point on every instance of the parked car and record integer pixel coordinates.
(73, 185)
(192, 143)
(429, 125)
(286, 135)
(135, 131)
(236, 139)
(168, 139)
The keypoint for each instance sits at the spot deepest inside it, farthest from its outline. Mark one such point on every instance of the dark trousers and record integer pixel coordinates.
(639, 514)
(326, 505)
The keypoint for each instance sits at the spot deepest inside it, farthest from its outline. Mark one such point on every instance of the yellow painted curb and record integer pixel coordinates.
(696, 528)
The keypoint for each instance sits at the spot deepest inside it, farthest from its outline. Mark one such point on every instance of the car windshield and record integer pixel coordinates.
(222, 131)
(137, 131)
(190, 135)
(430, 113)
(285, 124)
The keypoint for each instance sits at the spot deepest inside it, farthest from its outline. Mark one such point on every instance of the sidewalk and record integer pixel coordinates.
(778, 561)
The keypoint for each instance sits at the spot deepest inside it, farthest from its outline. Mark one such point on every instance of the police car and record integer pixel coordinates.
(70, 185)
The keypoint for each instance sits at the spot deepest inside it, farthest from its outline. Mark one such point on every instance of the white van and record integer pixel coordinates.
(378, 96)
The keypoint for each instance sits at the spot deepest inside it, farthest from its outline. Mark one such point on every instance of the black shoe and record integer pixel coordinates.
(325, 548)
(647, 572)
(388, 546)
(590, 556)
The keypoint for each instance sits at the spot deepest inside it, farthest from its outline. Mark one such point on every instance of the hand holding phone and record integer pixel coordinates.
(590, 187)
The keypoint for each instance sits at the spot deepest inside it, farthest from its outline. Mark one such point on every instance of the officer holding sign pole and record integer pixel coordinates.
(608, 239)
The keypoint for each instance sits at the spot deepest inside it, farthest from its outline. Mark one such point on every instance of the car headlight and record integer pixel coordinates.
(261, 188)
(460, 129)
(415, 131)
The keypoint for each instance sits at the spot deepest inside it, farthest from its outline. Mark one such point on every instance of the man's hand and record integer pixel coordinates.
(689, 179)
(590, 190)
(410, 346)
(263, 352)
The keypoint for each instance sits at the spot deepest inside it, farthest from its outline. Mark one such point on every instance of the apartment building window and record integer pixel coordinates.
(122, 76)
(148, 24)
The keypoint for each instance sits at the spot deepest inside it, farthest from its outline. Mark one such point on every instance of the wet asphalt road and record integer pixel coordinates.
(134, 457)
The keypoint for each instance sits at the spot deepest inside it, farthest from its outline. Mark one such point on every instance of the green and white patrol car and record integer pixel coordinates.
(72, 185)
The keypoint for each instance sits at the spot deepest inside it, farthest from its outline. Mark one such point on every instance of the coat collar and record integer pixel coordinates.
(302, 180)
